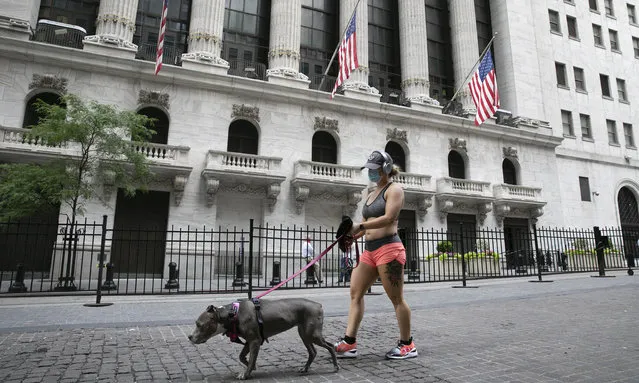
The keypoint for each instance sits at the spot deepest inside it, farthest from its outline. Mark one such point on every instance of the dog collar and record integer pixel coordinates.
(232, 333)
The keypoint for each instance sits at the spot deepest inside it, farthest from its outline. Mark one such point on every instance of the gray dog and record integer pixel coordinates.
(276, 315)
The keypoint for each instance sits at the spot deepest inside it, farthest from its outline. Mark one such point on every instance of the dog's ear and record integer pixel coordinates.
(211, 309)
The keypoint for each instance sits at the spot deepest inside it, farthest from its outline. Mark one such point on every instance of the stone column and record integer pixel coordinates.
(115, 26)
(205, 37)
(463, 32)
(18, 18)
(357, 85)
(284, 44)
(414, 52)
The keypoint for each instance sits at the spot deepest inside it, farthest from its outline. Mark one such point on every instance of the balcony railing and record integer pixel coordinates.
(172, 55)
(393, 96)
(413, 181)
(517, 192)
(327, 85)
(328, 172)
(450, 185)
(53, 32)
(161, 152)
(241, 162)
(248, 69)
(21, 136)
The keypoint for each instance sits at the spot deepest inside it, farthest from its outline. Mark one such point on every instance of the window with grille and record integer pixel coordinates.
(621, 90)
(572, 27)
(566, 122)
(580, 82)
(596, 33)
(554, 21)
(605, 85)
(586, 130)
(383, 44)
(560, 70)
(584, 188)
(614, 40)
(612, 132)
(147, 25)
(484, 24)
(628, 135)
(440, 58)
(632, 14)
(635, 46)
(593, 5)
(246, 29)
(610, 11)
(319, 37)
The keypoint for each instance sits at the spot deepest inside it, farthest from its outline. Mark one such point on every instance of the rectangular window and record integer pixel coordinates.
(554, 21)
(593, 5)
(635, 46)
(566, 122)
(612, 132)
(614, 40)
(560, 69)
(586, 130)
(605, 85)
(584, 187)
(610, 11)
(580, 82)
(621, 90)
(632, 14)
(630, 138)
(596, 33)
(572, 27)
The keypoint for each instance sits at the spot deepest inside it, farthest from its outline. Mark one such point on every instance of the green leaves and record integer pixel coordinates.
(99, 136)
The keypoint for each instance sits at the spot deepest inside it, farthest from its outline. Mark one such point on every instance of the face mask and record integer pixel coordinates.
(373, 175)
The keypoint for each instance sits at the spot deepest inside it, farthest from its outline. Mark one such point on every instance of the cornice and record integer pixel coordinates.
(255, 90)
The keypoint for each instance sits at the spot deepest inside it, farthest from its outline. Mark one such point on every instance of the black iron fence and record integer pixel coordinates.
(171, 54)
(52, 257)
(53, 32)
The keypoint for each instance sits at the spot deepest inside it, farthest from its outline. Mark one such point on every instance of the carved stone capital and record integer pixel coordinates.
(287, 72)
(501, 212)
(445, 206)
(147, 97)
(482, 212)
(537, 212)
(396, 135)
(272, 191)
(48, 81)
(246, 111)
(179, 184)
(325, 123)
(423, 99)
(212, 187)
(110, 40)
(457, 144)
(206, 57)
(301, 194)
(510, 152)
(360, 87)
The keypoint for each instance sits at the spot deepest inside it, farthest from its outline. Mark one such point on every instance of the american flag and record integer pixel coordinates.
(160, 50)
(347, 55)
(483, 88)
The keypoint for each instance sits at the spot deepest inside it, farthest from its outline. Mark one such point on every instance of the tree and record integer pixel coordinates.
(98, 138)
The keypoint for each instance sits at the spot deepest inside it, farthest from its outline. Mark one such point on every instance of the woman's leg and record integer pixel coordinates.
(363, 277)
(392, 275)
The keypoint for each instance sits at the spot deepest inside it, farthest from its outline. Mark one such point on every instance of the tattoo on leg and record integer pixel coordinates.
(395, 271)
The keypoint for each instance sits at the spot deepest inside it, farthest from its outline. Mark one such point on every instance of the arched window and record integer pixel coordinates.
(324, 148)
(456, 165)
(31, 115)
(243, 137)
(160, 125)
(509, 171)
(396, 152)
(147, 29)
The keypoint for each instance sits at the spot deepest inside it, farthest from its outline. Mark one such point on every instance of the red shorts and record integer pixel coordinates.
(385, 254)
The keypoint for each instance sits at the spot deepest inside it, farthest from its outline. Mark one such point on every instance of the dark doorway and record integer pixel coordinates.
(510, 172)
(456, 165)
(629, 217)
(406, 229)
(160, 125)
(243, 137)
(396, 152)
(462, 224)
(518, 243)
(324, 148)
(139, 233)
(31, 115)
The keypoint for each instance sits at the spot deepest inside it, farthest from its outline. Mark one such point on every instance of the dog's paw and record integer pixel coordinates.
(242, 375)
(336, 369)
(303, 370)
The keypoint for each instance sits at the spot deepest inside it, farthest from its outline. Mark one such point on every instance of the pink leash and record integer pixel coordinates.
(311, 263)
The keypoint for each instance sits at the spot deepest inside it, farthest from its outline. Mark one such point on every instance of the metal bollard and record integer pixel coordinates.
(276, 273)
(172, 283)
(310, 276)
(413, 273)
(108, 282)
(239, 275)
(18, 285)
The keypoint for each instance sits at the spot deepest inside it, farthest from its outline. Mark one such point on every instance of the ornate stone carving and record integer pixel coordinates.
(423, 204)
(482, 211)
(457, 144)
(153, 98)
(445, 206)
(49, 81)
(423, 99)
(246, 111)
(396, 135)
(287, 72)
(301, 195)
(179, 183)
(272, 191)
(244, 188)
(325, 123)
(519, 120)
(212, 187)
(455, 108)
(510, 152)
(360, 87)
(110, 40)
(205, 57)
(501, 212)
(115, 19)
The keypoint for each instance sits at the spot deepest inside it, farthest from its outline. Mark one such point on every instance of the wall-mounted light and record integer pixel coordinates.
(595, 193)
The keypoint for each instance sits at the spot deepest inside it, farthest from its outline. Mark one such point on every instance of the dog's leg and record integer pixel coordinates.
(243, 353)
(254, 348)
(308, 342)
(320, 341)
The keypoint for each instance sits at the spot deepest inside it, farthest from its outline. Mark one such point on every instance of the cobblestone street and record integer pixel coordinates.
(577, 329)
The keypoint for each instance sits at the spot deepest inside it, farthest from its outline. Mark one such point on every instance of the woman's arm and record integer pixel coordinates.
(394, 203)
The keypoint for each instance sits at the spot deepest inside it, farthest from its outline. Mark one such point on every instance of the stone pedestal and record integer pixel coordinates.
(115, 26)
(205, 38)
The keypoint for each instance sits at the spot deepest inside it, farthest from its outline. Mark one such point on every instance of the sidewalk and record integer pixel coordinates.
(576, 329)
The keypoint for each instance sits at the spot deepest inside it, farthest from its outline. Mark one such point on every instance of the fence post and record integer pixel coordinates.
(461, 240)
(601, 243)
(108, 282)
(172, 283)
(98, 295)
(539, 256)
(18, 285)
(276, 273)
(250, 265)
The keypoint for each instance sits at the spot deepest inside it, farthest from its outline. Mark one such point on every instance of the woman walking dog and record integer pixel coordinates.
(384, 256)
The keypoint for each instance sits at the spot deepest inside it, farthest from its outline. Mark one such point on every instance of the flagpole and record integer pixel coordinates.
(339, 42)
(474, 66)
